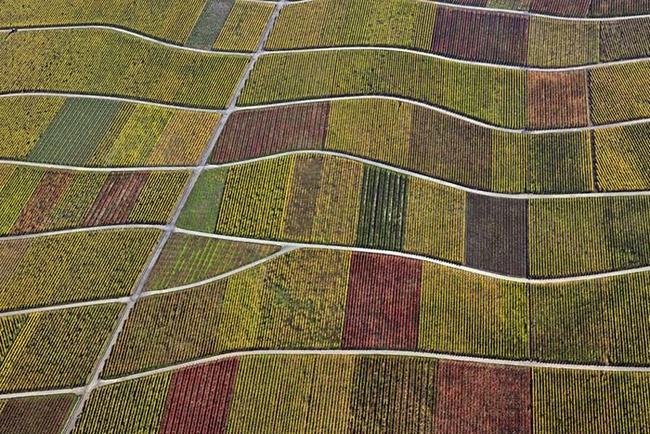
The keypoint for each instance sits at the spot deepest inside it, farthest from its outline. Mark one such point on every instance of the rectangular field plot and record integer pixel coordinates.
(556, 99)
(623, 157)
(482, 398)
(187, 259)
(37, 200)
(496, 96)
(72, 267)
(39, 415)
(604, 321)
(464, 313)
(557, 43)
(244, 26)
(568, 401)
(588, 235)
(618, 92)
(109, 63)
(56, 349)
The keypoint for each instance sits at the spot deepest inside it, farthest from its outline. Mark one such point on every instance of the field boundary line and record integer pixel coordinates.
(444, 111)
(166, 234)
(37, 93)
(362, 160)
(71, 305)
(266, 52)
(82, 229)
(296, 245)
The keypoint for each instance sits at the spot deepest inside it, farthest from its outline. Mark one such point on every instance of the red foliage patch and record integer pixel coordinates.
(254, 133)
(383, 302)
(116, 199)
(474, 398)
(481, 35)
(199, 399)
(468, 2)
(574, 8)
(40, 206)
(557, 99)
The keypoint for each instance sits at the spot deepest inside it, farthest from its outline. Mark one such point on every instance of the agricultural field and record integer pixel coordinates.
(324, 216)
(92, 132)
(54, 349)
(72, 267)
(37, 200)
(142, 70)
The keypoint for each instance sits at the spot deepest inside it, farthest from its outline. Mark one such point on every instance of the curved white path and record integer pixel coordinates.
(340, 352)
(287, 246)
(400, 99)
(107, 98)
(362, 160)
(265, 52)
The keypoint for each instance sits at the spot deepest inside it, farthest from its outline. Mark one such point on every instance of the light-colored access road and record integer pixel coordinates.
(169, 229)
(343, 352)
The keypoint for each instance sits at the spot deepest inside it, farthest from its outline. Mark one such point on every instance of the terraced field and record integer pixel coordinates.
(400, 216)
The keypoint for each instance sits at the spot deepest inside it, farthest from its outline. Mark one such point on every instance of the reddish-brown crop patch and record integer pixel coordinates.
(42, 203)
(199, 399)
(42, 415)
(475, 398)
(469, 2)
(556, 99)
(481, 35)
(116, 198)
(383, 302)
(254, 133)
(574, 8)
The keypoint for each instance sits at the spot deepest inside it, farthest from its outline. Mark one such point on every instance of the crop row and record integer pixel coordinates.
(331, 200)
(576, 8)
(484, 36)
(36, 200)
(187, 259)
(38, 415)
(427, 142)
(499, 96)
(94, 61)
(94, 132)
(53, 349)
(328, 393)
(72, 267)
(327, 299)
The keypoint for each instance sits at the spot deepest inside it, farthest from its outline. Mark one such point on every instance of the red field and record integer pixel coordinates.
(383, 302)
(199, 399)
(482, 399)
(557, 99)
(116, 198)
(250, 134)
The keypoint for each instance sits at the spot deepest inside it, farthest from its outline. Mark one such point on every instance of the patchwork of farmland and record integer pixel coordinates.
(399, 216)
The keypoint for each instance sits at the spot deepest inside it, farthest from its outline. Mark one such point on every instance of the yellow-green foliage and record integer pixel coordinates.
(494, 95)
(435, 221)
(567, 401)
(15, 191)
(295, 393)
(76, 61)
(158, 197)
(619, 92)
(556, 43)
(22, 121)
(371, 128)
(166, 19)
(72, 267)
(324, 23)
(57, 349)
(623, 157)
(254, 197)
(137, 405)
(337, 205)
(588, 235)
(593, 321)
(244, 26)
(465, 313)
(509, 162)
